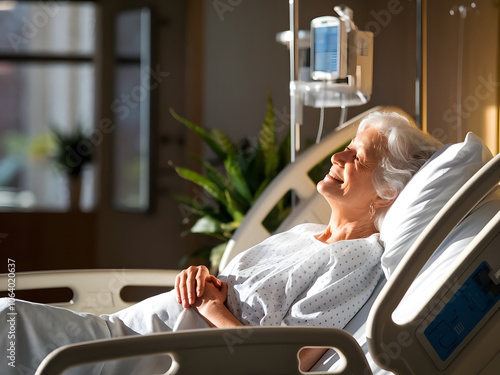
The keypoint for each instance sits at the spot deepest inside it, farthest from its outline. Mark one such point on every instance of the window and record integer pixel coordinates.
(46, 81)
(132, 108)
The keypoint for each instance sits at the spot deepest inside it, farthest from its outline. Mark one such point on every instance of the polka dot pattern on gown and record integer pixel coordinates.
(293, 279)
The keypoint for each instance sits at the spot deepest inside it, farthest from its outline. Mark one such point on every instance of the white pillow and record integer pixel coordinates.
(426, 193)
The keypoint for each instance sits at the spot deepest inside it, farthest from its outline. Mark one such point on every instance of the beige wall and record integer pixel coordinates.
(477, 107)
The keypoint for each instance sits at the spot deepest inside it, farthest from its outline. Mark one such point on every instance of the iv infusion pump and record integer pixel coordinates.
(335, 62)
(340, 53)
(328, 48)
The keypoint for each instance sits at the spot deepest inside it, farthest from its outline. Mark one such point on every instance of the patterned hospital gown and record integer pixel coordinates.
(293, 279)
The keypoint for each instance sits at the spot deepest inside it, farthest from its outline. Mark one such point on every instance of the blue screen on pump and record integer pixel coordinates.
(326, 49)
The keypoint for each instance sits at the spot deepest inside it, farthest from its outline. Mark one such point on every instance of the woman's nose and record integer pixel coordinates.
(340, 158)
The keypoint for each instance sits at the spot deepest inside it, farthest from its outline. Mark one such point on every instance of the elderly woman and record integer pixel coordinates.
(311, 275)
(316, 275)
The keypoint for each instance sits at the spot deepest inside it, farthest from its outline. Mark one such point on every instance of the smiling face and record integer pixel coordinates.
(348, 186)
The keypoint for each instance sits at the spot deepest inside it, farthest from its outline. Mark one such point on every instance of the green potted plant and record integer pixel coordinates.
(72, 152)
(240, 174)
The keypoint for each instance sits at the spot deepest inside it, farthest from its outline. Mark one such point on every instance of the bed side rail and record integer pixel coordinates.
(406, 348)
(98, 291)
(242, 350)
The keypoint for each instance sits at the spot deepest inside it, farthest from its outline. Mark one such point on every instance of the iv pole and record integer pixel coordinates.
(294, 75)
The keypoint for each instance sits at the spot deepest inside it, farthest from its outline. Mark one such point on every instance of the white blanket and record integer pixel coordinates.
(39, 329)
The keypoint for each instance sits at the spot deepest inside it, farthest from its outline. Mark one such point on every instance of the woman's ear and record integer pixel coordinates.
(382, 203)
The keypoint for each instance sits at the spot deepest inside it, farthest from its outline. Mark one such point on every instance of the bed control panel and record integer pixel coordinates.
(475, 300)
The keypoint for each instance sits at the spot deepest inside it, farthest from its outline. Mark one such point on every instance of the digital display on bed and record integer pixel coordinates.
(463, 312)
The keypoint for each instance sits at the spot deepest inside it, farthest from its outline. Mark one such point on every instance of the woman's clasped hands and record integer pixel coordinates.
(196, 287)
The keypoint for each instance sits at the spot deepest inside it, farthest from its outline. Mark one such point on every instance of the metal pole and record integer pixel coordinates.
(421, 76)
(418, 78)
(294, 74)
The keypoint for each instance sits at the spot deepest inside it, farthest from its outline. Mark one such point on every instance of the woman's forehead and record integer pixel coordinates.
(370, 140)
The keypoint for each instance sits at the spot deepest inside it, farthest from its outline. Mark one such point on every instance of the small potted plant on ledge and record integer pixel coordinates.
(72, 152)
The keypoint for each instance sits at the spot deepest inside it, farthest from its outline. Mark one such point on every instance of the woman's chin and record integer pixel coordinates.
(326, 186)
(320, 186)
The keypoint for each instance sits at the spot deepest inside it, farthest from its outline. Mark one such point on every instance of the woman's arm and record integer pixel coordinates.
(309, 356)
(211, 305)
(207, 294)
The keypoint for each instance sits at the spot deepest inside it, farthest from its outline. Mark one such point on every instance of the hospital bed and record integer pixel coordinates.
(430, 336)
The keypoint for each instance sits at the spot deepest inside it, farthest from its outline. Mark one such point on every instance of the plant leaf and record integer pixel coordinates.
(267, 141)
(261, 188)
(225, 143)
(251, 164)
(206, 224)
(277, 214)
(284, 151)
(230, 227)
(213, 174)
(201, 255)
(209, 140)
(216, 256)
(189, 205)
(238, 179)
(211, 187)
(209, 226)
(234, 209)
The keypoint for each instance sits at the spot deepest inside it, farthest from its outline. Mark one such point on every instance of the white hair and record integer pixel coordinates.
(407, 148)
